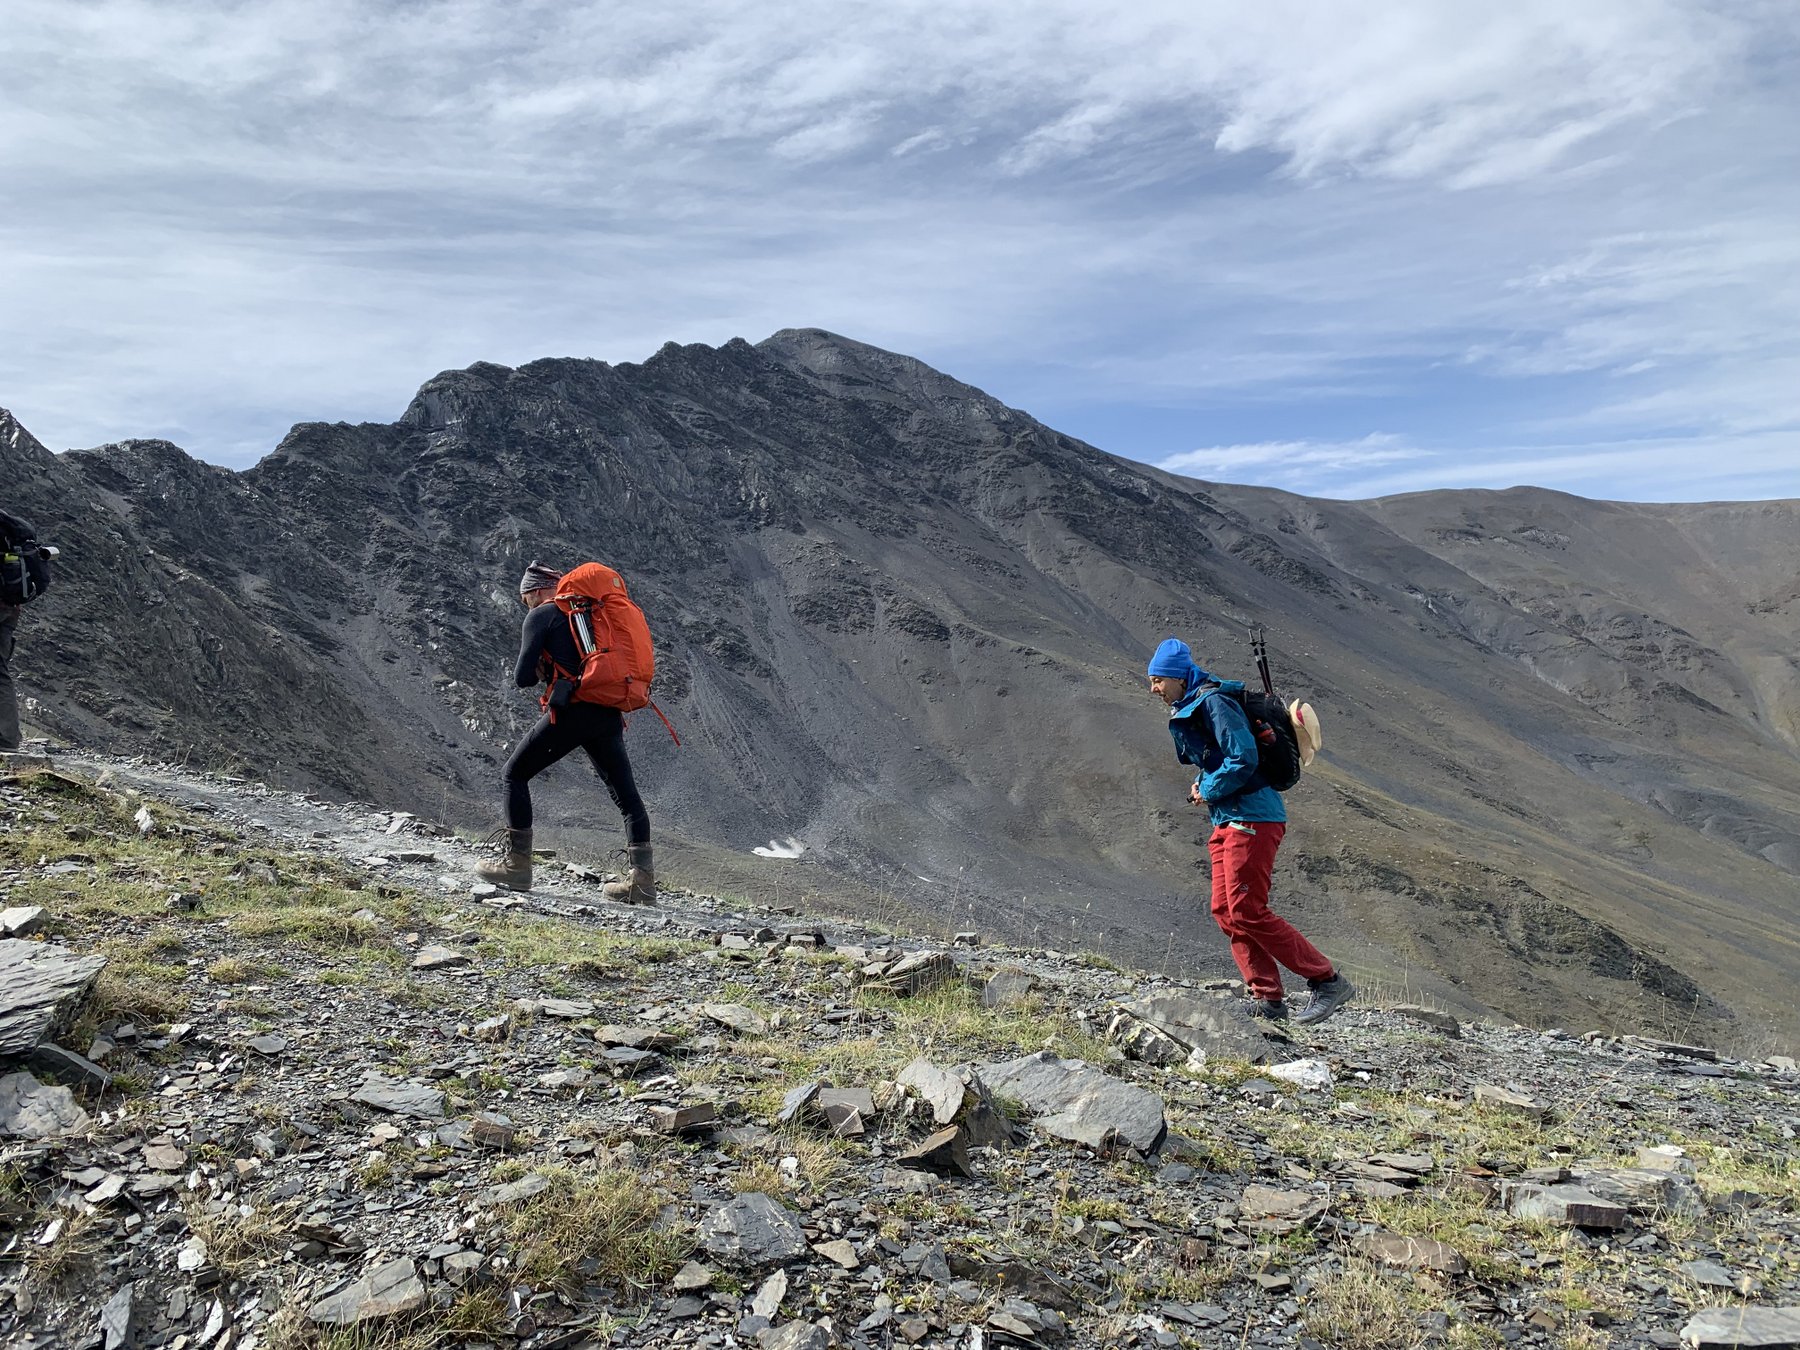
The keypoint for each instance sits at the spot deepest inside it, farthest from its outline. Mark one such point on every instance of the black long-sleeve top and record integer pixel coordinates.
(545, 633)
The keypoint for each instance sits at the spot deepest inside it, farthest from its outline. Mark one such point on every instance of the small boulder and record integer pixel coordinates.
(794, 1336)
(915, 974)
(938, 1088)
(1311, 1074)
(945, 1151)
(1505, 1099)
(17, 921)
(1073, 1100)
(33, 1110)
(753, 1230)
(1212, 1027)
(1572, 1206)
(1007, 988)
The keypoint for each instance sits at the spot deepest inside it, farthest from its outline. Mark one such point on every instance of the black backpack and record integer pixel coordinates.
(1278, 759)
(1277, 744)
(24, 564)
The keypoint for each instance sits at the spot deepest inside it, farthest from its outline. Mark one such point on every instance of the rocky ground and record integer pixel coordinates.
(325, 1092)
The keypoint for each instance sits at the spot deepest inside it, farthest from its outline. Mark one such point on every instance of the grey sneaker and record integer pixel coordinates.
(1327, 997)
(1267, 1010)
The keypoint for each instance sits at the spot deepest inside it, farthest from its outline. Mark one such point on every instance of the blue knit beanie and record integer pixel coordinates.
(1173, 659)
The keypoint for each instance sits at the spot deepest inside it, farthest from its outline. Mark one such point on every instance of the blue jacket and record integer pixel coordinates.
(1213, 733)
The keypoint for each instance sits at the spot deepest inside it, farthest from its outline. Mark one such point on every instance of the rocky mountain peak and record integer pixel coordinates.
(20, 445)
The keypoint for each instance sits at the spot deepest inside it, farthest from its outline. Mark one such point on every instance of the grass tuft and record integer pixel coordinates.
(603, 1227)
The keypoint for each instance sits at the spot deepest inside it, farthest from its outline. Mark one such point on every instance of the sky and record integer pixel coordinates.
(1348, 248)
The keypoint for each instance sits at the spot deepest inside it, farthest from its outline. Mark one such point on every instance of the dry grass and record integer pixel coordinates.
(760, 1178)
(71, 1256)
(1363, 1309)
(231, 970)
(602, 1227)
(238, 1236)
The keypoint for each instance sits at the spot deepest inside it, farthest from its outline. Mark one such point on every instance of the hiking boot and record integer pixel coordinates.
(639, 888)
(1267, 1010)
(1327, 997)
(513, 871)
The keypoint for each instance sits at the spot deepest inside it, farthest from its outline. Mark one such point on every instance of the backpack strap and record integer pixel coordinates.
(665, 721)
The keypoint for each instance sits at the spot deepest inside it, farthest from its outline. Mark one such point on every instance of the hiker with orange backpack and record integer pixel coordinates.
(588, 645)
(1211, 723)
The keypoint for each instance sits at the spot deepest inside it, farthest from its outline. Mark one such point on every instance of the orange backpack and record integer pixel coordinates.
(617, 660)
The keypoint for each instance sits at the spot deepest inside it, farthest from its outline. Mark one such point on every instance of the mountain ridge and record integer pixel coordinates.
(907, 624)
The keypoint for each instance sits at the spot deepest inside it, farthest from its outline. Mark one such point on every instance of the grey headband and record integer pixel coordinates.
(538, 578)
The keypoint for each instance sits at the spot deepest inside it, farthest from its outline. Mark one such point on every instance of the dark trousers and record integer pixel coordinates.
(586, 726)
(9, 695)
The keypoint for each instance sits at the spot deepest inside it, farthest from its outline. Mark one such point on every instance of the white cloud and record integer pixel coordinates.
(1378, 465)
(225, 217)
(1292, 464)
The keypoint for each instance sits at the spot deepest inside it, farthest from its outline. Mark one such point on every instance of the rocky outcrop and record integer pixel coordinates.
(41, 986)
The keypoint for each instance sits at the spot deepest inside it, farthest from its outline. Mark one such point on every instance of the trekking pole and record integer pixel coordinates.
(1259, 647)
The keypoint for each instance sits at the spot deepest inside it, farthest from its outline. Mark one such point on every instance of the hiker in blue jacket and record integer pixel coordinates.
(1249, 819)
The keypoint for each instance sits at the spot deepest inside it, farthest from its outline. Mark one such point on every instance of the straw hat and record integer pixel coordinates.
(1306, 730)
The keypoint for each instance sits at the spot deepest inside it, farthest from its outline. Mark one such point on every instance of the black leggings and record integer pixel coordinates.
(600, 732)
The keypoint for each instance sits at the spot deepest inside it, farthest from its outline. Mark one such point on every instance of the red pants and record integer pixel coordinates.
(1241, 865)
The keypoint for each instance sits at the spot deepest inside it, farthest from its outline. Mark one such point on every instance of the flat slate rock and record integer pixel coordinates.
(858, 1099)
(1761, 1328)
(1073, 1100)
(744, 1021)
(797, 1099)
(1219, 1026)
(1507, 1100)
(917, 973)
(436, 957)
(65, 1066)
(1708, 1273)
(403, 1099)
(1410, 1253)
(41, 984)
(569, 1009)
(391, 1288)
(118, 1319)
(33, 1110)
(753, 1230)
(1640, 1188)
(1429, 1017)
(515, 1192)
(940, 1089)
(17, 921)
(1272, 1202)
(794, 1336)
